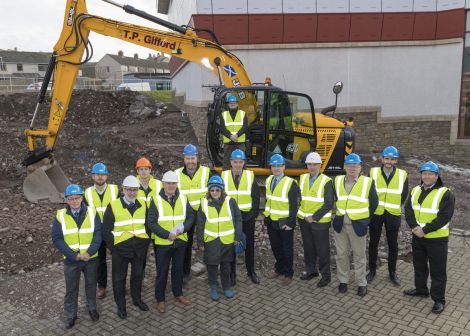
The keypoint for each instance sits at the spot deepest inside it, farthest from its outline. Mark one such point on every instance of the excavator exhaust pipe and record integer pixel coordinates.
(45, 182)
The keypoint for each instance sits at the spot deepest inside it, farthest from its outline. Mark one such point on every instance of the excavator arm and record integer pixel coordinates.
(45, 178)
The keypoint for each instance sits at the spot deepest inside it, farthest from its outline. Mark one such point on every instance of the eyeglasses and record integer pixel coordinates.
(76, 198)
(215, 190)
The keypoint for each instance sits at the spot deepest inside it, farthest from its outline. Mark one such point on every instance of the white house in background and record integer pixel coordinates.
(26, 64)
(112, 68)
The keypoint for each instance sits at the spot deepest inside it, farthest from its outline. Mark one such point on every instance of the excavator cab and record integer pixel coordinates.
(279, 122)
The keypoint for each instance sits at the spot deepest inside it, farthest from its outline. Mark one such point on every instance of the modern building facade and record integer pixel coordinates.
(403, 62)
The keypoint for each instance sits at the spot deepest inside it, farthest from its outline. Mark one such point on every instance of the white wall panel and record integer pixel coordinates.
(299, 6)
(424, 5)
(332, 6)
(229, 6)
(204, 6)
(450, 4)
(467, 4)
(364, 6)
(264, 6)
(397, 5)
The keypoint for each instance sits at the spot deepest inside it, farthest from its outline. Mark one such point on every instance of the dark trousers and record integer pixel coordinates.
(316, 241)
(119, 271)
(392, 226)
(249, 231)
(102, 267)
(228, 149)
(164, 255)
(72, 274)
(432, 252)
(212, 271)
(282, 245)
(188, 253)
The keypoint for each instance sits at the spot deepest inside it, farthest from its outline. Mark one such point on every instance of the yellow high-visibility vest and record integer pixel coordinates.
(218, 224)
(277, 201)
(196, 188)
(389, 195)
(312, 199)
(93, 198)
(126, 225)
(155, 185)
(234, 125)
(427, 211)
(79, 240)
(169, 217)
(242, 195)
(356, 203)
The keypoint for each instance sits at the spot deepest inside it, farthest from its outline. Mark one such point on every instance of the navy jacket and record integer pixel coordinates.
(61, 245)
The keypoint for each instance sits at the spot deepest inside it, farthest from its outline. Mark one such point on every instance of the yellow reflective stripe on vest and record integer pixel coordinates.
(130, 222)
(426, 214)
(361, 209)
(169, 217)
(159, 203)
(155, 186)
(389, 195)
(77, 239)
(93, 198)
(229, 218)
(241, 196)
(277, 206)
(200, 179)
(401, 181)
(309, 205)
(134, 232)
(234, 125)
(125, 223)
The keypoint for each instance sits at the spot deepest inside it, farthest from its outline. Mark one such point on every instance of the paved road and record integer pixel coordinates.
(267, 309)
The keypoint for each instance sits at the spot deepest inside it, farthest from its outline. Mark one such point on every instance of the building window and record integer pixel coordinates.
(464, 117)
(3, 66)
(42, 67)
(19, 67)
(107, 69)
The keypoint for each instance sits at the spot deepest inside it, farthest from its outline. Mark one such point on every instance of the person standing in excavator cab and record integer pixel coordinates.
(233, 127)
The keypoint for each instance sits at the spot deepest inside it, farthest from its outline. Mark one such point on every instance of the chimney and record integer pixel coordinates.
(136, 56)
(120, 53)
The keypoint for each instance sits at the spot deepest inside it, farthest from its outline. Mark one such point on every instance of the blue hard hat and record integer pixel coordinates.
(190, 150)
(232, 99)
(238, 154)
(99, 168)
(277, 159)
(216, 181)
(352, 158)
(391, 152)
(73, 189)
(431, 167)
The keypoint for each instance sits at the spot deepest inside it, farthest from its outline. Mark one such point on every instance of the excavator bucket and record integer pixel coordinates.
(45, 183)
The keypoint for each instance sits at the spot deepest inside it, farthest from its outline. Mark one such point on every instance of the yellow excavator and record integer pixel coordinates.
(279, 121)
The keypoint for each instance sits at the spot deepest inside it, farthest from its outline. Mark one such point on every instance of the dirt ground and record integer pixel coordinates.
(98, 127)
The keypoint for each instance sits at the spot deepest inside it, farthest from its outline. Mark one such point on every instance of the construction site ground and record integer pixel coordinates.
(99, 127)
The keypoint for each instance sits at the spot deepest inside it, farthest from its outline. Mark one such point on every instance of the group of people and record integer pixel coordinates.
(221, 211)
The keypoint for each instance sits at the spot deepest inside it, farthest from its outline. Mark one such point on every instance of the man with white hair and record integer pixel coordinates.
(124, 230)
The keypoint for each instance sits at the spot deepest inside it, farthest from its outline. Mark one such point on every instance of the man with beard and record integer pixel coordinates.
(192, 183)
(233, 126)
(99, 196)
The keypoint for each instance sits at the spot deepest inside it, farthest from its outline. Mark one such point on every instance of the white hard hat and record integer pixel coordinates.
(313, 157)
(170, 176)
(131, 182)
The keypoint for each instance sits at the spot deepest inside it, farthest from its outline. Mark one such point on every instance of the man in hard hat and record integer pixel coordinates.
(124, 230)
(280, 217)
(76, 233)
(391, 184)
(233, 126)
(428, 212)
(240, 185)
(316, 202)
(192, 183)
(149, 185)
(98, 197)
(170, 217)
(356, 201)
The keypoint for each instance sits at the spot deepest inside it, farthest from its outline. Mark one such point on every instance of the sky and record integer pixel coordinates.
(35, 25)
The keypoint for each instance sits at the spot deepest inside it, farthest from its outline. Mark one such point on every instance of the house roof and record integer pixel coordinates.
(31, 57)
(163, 6)
(146, 63)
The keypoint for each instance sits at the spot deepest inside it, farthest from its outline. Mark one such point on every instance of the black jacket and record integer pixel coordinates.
(446, 209)
(129, 247)
(293, 196)
(152, 218)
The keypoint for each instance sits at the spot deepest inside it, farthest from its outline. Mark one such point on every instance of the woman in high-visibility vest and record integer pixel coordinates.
(219, 229)
(428, 212)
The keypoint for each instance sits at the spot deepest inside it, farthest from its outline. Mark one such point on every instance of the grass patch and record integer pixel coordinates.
(163, 96)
